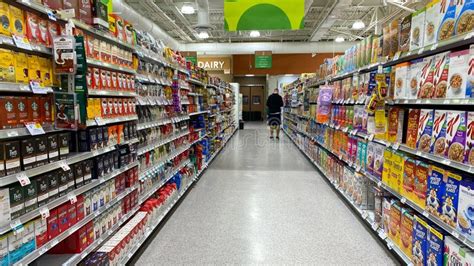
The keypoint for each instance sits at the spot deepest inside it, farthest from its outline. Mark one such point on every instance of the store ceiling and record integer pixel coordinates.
(324, 20)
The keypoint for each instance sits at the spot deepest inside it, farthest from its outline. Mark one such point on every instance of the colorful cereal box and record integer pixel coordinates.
(433, 18)
(438, 140)
(397, 171)
(401, 80)
(455, 135)
(409, 179)
(387, 165)
(421, 183)
(395, 220)
(412, 127)
(469, 149)
(440, 72)
(465, 223)
(414, 75)
(386, 206)
(370, 157)
(436, 186)
(434, 247)
(417, 31)
(458, 74)
(419, 246)
(425, 130)
(446, 26)
(395, 124)
(451, 198)
(455, 254)
(464, 17)
(406, 232)
(378, 163)
(426, 87)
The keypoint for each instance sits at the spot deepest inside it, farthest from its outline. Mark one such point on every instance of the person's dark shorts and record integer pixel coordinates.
(274, 119)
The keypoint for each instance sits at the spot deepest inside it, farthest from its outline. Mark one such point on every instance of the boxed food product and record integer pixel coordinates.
(53, 183)
(34, 108)
(41, 232)
(8, 112)
(41, 150)
(54, 4)
(409, 179)
(12, 157)
(417, 30)
(412, 128)
(438, 140)
(370, 157)
(414, 78)
(7, 66)
(395, 124)
(451, 199)
(28, 153)
(387, 165)
(464, 18)
(379, 160)
(434, 247)
(63, 221)
(4, 14)
(401, 80)
(34, 70)
(395, 220)
(63, 183)
(421, 183)
(17, 21)
(85, 12)
(446, 26)
(458, 75)
(456, 254)
(406, 232)
(435, 192)
(419, 246)
(455, 135)
(28, 240)
(426, 87)
(17, 201)
(394, 31)
(434, 15)
(43, 189)
(425, 130)
(43, 34)
(440, 76)
(397, 171)
(45, 68)
(53, 224)
(14, 247)
(465, 224)
(21, 68)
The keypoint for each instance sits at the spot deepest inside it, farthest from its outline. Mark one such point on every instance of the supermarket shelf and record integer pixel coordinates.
(144, 173)
(107, 121)
(199, 113)
(151, 56)
(363, 213)
(23, 132)
(152, 80)
(194, 94)
(196, 82)
(156, 144)
(20, 88)
(111, 93)
(38, 7)
(96, 63)
(10, 179)
(161, 122)
(184, 88)
(62, 236)
(212, 86)
(153, 100)
(199, 139)
(432, 218)
(63, 199)
(431, 102)
(7, 42)
(101, 34)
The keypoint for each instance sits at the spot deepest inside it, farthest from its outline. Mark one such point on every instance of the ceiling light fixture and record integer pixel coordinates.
(203, 35)
(358, 25)
(339, 39)
(187, 9)
(255, 34)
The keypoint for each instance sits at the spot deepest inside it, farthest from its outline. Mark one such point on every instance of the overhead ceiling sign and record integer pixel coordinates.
(215, 63)
(263, 59)
(263, 14)
(190, 56)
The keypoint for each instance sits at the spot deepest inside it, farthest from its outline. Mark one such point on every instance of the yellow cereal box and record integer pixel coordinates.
(5, 17)
(7, 66)
(387, 165)
(396, 175)
(395, 220)
(406, 232)
(17, 21)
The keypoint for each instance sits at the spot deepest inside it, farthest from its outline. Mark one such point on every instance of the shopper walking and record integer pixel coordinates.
(274, 105)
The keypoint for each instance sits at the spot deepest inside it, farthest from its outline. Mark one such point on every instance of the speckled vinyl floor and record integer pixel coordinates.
(262, 202)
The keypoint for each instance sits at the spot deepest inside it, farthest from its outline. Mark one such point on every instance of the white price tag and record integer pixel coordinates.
(34, 128)
(371, 137)
(396, 146)
(51, 15)
(21, 42)
(382, 234)
(44, 213)
(12, 134)
(379, 184)
(54, 242)
(426, 214)
(17, 227)
(23, 179)
(434, 46)
(421, 50)
(364, 215)
(375, 226)
(468, 36)
(387, 144)
(390, 245)
(99, 121)
(396, 56)
(26, 2)
(358, 168)
(72, 198)
(37, 89)
(64, 166)
(455, 233)
(380, 69)
(403, 200)
(418, 153)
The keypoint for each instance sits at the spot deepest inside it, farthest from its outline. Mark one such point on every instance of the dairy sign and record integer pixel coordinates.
(215, 63)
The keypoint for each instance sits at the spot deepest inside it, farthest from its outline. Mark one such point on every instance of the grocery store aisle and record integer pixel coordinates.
(263, 202)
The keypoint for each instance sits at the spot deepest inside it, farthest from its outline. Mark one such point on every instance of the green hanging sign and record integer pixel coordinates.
(263, 59)
(192, 59)
(263, 14)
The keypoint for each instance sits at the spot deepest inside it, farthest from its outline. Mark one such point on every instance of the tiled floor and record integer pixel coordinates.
(262, 202)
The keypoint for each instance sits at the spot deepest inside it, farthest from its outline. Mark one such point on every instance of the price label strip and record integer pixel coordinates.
(44, 213)
(34, 128)
(23, 179)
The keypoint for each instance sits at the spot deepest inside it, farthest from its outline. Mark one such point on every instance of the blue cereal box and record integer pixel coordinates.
(465, 223)
(434, 247)
(436, 185)
(464, 17)
(419, 246)
(450, 199)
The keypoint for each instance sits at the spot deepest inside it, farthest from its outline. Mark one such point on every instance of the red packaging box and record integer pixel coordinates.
(119, 27)
(53, 4)
(114, 80)
(72, 214)
(80, 208)
(105, 108)
(63, 211)
(96, 78)
(85, 12)
(108, 78)
(103, 79)
(110, 107)
(119, 81)
(89, 45)
(22, 110)
(53, 224)
(34, 106)
(32, 27)
(43, 32)
(125, 107)
(90, 232)
(41, 232)
(46, 109)
(75, 243)
(54, 29)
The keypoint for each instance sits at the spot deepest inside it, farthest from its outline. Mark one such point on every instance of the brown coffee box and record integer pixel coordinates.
(46, 109)
(63, 140)
(41, 143)
(53, 148)
(2, 159)
(63, 183)
(71, 180)
(78, 175)
(33, 103)
(53, 182)
(17, 202)
(22, 110)
(85, 12)
(8, 113)
(72, 4)
(87, 170)
(12, 157)
(54, 4)
(42, 185)
(28, 153)
(30, 193)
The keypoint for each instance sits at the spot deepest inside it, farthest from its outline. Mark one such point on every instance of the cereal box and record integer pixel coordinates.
(465, 224)
(397, 171)
(395, 124)
(4, 14)
(412, 127)
(436, 187)
(440, 74)
(387, 165)
(386, 41)
(426, 87)
(406, 232)
(455, 135)
(417, 30)
(363, 155)
(370, 157)
(386, 205)
(395, 220)
(469, 154)
(470, 73)
(414, 78)
(438, 140)
(419, 246)
(457, 77)
(434, 246)
(404, 35)
(409, 179)
(394, 29)
(425, 130)
(432, 21)
(450, 199)
(446, 26)
(378, 163)
(421, 183)
(456, 254)
(464, 17)
(401, 80)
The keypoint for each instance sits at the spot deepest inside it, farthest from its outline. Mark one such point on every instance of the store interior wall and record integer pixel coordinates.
(278, 81)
